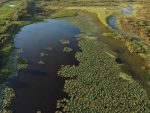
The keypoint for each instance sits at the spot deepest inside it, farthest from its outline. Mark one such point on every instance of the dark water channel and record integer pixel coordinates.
(38, 87)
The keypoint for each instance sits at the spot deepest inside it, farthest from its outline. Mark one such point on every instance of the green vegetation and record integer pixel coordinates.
(65, 13)
(8, 95)
(136, 47)
(19, 50)
(11, 19)
(67, 49)
(43, 54)
(64, 42)
(87, 2)
(126, 77)
(10, 24)
(96, 85)
(22, 63)
(39, 112)
(41, 62)
(49, 48)
(84, 22)
(14, 64)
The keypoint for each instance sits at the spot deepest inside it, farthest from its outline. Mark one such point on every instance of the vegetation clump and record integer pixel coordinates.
(43, 54)
(64, 13)
(64, 42)
(49, 48)
(97, 85)
(8, 94)
(19, 50)
(67, 49)
(41, 62)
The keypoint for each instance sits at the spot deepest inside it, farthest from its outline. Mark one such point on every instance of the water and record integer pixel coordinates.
(112, 21)
(38, 87)
(127, 10)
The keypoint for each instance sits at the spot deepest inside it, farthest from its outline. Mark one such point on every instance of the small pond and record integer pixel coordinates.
(38, 87)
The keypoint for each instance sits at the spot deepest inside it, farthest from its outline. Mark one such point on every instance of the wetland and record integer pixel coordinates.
(73, 59)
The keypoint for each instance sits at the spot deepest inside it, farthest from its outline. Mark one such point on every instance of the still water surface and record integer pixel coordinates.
(38, 87)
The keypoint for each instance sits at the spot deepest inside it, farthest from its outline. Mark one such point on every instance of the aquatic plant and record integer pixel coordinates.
(67, 49)
(43, 54)
(7, 49)
(19, 50)
(97, 86)
(64, 41)
(22, 62)
(8, 94)
(49, 48)
(41, 62)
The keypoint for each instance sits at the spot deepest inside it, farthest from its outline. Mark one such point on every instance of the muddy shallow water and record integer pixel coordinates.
(38, 87)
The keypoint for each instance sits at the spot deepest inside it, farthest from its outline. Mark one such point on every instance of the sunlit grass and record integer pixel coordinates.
(6, 9)
(64, 13)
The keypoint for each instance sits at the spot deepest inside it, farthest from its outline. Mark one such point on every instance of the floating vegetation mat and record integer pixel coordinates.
(64, 42)
(67, 49)
(96, 85)
(41, 62)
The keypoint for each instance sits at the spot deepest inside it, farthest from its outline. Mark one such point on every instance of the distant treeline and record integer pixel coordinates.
(88, 2)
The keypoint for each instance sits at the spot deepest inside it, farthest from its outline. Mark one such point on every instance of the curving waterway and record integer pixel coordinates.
(38, 87)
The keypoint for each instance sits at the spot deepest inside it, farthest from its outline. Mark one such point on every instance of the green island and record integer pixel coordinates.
(67, 49)
(113, 54)
(64, 42)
